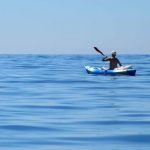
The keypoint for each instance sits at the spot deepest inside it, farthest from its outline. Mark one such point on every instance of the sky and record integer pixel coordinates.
(74, 26)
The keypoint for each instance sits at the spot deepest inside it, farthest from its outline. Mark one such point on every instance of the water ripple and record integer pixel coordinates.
(49, 102)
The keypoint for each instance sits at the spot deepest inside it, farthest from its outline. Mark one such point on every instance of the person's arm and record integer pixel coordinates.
(106, 59)
(119, 62)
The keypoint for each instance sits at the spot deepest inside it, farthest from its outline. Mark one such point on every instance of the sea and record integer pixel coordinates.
(49, 102)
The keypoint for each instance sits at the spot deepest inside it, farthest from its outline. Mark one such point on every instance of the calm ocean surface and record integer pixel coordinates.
(49, 102)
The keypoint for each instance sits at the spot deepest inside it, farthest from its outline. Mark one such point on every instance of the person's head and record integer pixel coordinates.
(113, 53)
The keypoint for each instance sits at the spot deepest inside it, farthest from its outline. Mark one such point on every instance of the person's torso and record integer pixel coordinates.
(113, 63)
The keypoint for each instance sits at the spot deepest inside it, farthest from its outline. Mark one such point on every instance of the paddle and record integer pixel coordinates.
(99, 51)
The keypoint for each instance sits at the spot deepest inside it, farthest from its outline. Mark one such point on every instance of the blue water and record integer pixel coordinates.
(49, 102)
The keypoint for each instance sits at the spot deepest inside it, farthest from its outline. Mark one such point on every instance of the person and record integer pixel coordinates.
(113, 61)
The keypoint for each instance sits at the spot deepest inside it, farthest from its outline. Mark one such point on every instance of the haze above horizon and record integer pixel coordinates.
(74, 27)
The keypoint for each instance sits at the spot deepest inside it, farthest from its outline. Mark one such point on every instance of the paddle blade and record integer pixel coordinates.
(99, 51)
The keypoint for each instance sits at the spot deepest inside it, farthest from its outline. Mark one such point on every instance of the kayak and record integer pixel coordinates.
(123, 70)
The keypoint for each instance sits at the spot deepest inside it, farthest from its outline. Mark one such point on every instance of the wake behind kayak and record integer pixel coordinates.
(126, 70)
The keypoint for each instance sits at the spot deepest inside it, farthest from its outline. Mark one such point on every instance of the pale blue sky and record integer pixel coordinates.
(74, 26)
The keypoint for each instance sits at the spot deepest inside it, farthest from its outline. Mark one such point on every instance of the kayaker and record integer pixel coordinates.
(113, 61)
